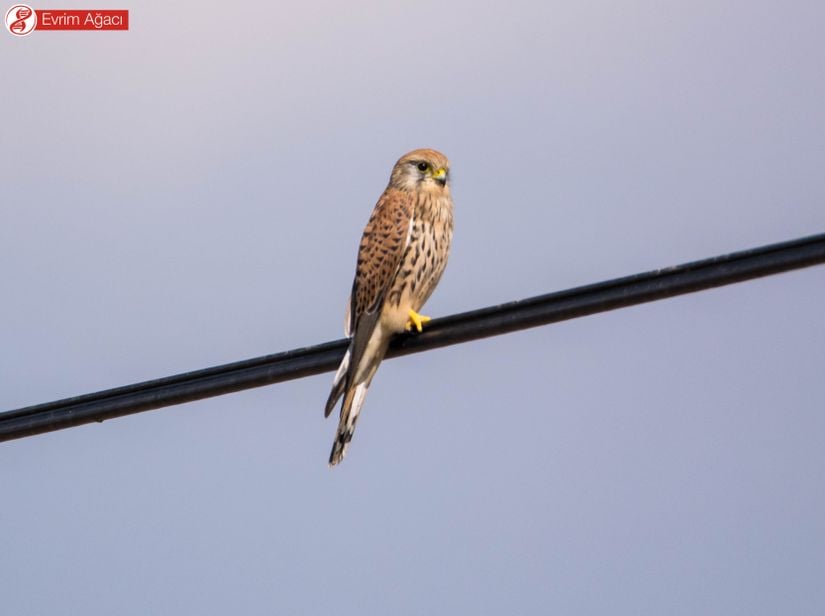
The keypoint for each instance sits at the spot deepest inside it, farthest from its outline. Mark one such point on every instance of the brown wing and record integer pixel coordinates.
(379, 255)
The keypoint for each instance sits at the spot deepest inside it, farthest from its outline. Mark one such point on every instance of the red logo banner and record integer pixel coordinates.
(82, 19)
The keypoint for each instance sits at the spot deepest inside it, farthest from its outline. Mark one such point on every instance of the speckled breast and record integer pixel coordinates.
(426, 255)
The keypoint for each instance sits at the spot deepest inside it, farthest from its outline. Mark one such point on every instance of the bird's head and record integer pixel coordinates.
(424, 169)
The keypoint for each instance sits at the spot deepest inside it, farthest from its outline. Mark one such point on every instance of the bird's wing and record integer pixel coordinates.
(385, 238)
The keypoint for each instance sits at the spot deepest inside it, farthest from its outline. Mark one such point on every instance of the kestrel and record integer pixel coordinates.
(401, 257)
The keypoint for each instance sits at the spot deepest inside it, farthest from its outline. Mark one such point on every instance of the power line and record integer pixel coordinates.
(454, 329)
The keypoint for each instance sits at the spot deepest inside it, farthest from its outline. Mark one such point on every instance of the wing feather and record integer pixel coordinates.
(385, 238)
(382, 247)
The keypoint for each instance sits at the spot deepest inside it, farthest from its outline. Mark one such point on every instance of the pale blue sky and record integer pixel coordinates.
(191, 192)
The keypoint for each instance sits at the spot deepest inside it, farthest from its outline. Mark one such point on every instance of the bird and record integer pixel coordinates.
(401, 257)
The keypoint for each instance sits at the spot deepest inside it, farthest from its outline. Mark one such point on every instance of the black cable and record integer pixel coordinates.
(491, 321)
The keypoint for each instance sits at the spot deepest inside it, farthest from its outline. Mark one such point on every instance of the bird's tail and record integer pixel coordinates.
(358, 366)
(339, 383)
(350, 409)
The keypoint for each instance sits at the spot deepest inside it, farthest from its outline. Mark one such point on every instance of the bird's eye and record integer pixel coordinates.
(423, 166)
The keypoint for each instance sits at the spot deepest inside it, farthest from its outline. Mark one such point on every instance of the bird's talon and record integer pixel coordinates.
(416, 320)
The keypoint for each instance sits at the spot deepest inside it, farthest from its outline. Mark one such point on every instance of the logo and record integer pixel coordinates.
(21, 20)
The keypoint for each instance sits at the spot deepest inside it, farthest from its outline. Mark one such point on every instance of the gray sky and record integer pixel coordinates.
(192, 192)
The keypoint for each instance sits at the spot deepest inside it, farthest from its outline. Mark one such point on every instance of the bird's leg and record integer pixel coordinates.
(416, 320)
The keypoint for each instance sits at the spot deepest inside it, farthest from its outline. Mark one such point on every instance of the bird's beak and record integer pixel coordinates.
(440, 176)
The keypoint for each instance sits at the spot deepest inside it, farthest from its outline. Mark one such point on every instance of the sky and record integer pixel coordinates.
(192, 192)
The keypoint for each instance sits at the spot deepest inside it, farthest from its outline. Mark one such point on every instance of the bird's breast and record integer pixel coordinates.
(422, 263)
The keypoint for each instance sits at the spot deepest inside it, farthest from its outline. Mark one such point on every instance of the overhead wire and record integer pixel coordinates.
(464, 327)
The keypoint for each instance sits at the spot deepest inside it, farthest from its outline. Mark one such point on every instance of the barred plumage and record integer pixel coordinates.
(401, 258)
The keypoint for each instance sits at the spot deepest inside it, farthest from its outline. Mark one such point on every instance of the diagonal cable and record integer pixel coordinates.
(454, 329)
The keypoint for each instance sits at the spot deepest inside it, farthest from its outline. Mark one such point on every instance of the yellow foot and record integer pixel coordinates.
(416, 320)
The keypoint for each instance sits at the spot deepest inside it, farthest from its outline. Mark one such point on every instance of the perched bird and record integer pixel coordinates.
(401, 257)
